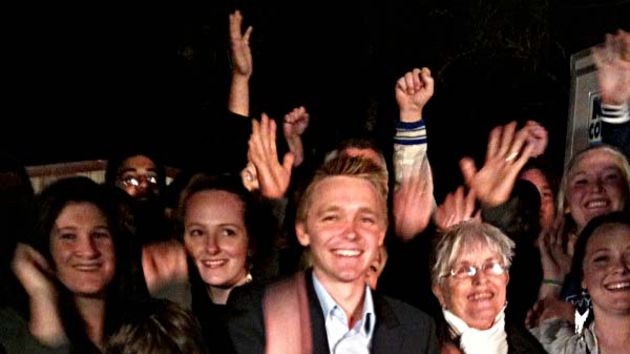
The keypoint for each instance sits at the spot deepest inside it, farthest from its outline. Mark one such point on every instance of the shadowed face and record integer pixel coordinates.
(547, 205)
(138, 176)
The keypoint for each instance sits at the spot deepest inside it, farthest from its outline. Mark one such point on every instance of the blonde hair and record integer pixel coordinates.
(619, 157)
(346, 166)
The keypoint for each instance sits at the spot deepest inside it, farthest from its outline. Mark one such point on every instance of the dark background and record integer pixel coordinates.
(86, 81)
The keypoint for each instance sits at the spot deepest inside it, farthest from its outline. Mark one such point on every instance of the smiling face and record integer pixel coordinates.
(595, 186)
(344, 226)
(478, 299)
(216, 237)
(82, 249)
(606, 269)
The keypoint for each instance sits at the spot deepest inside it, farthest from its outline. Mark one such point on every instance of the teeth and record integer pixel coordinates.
(617, 286)
(214, 263)
(87, 267)
(347, 253)
(597, 204)
(480, 296)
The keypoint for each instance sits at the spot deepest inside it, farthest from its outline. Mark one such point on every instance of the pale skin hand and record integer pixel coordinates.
(556, 262)
(295, 123)
(242, 65)
(35, 275)
(164, 264)
(507, 153)
(273, 177)
(613, 68)
(249, 177)
(413, 202)
(456, 208)
(538, 137)
(413, 91)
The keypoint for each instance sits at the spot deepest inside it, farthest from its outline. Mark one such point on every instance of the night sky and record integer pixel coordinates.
(110, 72)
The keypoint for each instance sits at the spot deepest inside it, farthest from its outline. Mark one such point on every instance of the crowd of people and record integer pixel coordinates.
(353, 254)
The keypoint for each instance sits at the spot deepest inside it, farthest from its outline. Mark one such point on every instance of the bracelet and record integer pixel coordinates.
(553, 282)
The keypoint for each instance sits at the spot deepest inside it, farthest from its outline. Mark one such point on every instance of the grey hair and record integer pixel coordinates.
(462, 236)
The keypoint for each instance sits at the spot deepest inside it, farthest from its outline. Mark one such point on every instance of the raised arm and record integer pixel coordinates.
(295, 123)
(35, 275)
(613, 68)
(242, 65)
(273, 177)
(413, 195)
(508, 151)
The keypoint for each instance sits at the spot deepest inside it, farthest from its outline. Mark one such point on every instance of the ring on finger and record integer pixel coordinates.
(511, 156)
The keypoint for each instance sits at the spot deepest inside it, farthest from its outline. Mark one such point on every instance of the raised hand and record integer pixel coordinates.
(295, 123)
(507, 153)
(538, 137)
(556, 261)
(164, 265)
(413, 91)
(414, 202)
(242, 63)
(455, 209)
(249, 177)
(36, 276)
(613, 68)
(33, 272)
(242, 66)
(273, 177)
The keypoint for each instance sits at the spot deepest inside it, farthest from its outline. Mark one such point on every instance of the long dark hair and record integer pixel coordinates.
(577, 271)
(51, 203)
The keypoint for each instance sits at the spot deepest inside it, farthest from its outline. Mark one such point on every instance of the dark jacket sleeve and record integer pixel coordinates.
(15, 337)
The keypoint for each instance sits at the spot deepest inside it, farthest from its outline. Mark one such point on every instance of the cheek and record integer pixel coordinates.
(59, 253)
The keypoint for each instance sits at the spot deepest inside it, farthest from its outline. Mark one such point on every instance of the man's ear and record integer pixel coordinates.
(302, 236)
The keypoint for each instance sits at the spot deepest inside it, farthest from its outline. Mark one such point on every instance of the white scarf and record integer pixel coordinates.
(475, 341)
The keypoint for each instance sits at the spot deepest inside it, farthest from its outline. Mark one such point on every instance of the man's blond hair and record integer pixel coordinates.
(342, 165)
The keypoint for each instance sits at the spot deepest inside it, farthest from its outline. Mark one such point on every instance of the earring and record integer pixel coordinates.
(582, 310)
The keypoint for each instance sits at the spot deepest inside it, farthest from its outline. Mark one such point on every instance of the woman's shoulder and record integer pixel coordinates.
(557, 336)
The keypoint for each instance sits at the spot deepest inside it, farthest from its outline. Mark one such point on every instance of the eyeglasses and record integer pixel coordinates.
(136, 180)
(464, 271)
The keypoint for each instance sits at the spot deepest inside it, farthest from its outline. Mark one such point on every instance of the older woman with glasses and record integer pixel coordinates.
(469, 278)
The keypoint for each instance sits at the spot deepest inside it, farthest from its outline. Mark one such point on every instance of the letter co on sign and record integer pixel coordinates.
(595, 123)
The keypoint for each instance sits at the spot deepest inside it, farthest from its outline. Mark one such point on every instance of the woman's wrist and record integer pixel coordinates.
(552, 282)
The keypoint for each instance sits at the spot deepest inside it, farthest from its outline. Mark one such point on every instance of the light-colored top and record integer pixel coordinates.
(477, 341)
(410, 148)
(341, 338)
(558, 337)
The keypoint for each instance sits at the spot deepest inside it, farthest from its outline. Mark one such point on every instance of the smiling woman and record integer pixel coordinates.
(601, 266)
(469, 277)
(79, 233)
(227, 235)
